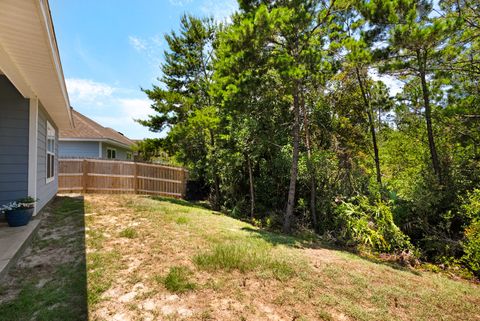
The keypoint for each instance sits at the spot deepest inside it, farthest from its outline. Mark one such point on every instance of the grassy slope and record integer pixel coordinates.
(167, 259)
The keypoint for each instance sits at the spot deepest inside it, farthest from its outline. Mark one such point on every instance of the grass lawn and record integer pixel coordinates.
(118, 257)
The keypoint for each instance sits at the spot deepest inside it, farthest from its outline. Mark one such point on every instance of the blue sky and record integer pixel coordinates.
(112, 48)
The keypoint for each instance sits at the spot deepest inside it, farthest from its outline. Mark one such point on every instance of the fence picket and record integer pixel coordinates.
(106, 176)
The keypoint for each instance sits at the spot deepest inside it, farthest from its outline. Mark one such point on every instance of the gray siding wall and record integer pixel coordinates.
(121, 152)
(45, 191)
(78, 149)
(14, 115)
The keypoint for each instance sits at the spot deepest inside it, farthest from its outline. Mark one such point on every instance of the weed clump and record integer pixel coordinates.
(182, 220)
(244, 257)
(129, 233)
(178, 280)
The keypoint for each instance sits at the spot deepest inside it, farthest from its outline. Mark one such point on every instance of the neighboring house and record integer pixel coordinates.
(34, 102)
(89, 139)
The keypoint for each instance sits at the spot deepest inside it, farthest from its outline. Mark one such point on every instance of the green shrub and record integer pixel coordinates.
(359, 223)
(471, 206)
(471, 246)
(178, 280)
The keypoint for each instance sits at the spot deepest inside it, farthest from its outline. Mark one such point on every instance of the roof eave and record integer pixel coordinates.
(103, 140)
(27, 27)
(48, 22)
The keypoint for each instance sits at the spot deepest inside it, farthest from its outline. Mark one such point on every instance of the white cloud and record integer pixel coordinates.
(111, 106)
(157, 40)
(135, 108)
(150, 48)
(394, 85)
(137, 43)
(88, 90)
(219, 10)
(179, 3)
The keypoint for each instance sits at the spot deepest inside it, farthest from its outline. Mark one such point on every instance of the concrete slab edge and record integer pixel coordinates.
(19, 252)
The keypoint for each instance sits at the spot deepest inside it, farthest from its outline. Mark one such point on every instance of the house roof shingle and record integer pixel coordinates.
(87, 129)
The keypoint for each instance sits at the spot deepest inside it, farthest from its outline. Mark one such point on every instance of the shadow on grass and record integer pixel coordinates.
(313, 242)
(309, 241)
(281, 239)
(178, 201)
(49, 282)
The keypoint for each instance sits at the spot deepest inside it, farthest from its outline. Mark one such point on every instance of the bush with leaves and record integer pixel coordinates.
(360, 223)
(471, 246)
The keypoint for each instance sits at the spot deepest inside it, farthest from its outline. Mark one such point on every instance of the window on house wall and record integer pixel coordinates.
(50, 150)
(111, 153)
(129, 156)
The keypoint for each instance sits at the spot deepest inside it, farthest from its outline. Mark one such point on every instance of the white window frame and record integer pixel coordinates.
(129, 156)
(111, 150)
(51, 136)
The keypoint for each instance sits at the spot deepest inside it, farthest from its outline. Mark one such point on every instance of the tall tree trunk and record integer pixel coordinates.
(295, 154)
(368, 107)
(252, 190)
(313, 183)
(428, 117)
(216, 178)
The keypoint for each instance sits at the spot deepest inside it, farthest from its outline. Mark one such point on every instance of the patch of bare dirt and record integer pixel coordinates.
(321, 256)
(42, 257)
(136, 294)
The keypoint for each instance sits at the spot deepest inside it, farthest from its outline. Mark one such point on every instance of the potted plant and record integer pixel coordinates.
(19, 212)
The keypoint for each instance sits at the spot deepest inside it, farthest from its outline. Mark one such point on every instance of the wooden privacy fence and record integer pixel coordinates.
(118, 177)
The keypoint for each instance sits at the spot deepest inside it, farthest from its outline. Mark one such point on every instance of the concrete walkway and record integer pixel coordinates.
(13, 241)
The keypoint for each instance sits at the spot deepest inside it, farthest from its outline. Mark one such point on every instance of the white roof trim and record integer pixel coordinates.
(29, 56)
(9, 69)
(55, 55)
(102, 140)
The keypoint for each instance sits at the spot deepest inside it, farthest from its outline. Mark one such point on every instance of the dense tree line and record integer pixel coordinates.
(285, 115)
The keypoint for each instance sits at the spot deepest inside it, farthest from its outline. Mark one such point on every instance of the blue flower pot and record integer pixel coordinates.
(19, 217)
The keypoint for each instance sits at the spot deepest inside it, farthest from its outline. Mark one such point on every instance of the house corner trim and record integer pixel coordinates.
(32, 149)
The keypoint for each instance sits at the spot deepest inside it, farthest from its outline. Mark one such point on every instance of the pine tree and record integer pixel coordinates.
(183, 104)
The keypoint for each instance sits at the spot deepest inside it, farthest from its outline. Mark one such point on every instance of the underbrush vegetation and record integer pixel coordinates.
(471, 244)
(358, 223)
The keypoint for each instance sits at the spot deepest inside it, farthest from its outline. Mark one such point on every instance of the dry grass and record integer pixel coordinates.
(162, 259)
(240, 272)
(48, 282)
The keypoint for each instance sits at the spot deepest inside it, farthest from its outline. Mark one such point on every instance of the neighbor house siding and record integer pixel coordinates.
(45, 191)
(121, 152)
(78, 149)
(14, 115)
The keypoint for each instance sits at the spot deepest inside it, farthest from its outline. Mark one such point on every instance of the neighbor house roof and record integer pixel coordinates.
(89, 130)
(29, 56)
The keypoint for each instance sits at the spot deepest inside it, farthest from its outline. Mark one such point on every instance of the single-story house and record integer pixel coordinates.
(34, 103)
(89, 139)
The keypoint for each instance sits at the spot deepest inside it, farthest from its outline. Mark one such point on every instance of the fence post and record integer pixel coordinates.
(184, 183)
(135, 180)
(85, 176)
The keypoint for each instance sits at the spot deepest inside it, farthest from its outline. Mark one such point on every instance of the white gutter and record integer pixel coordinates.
(47, 20)
(102, 140)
